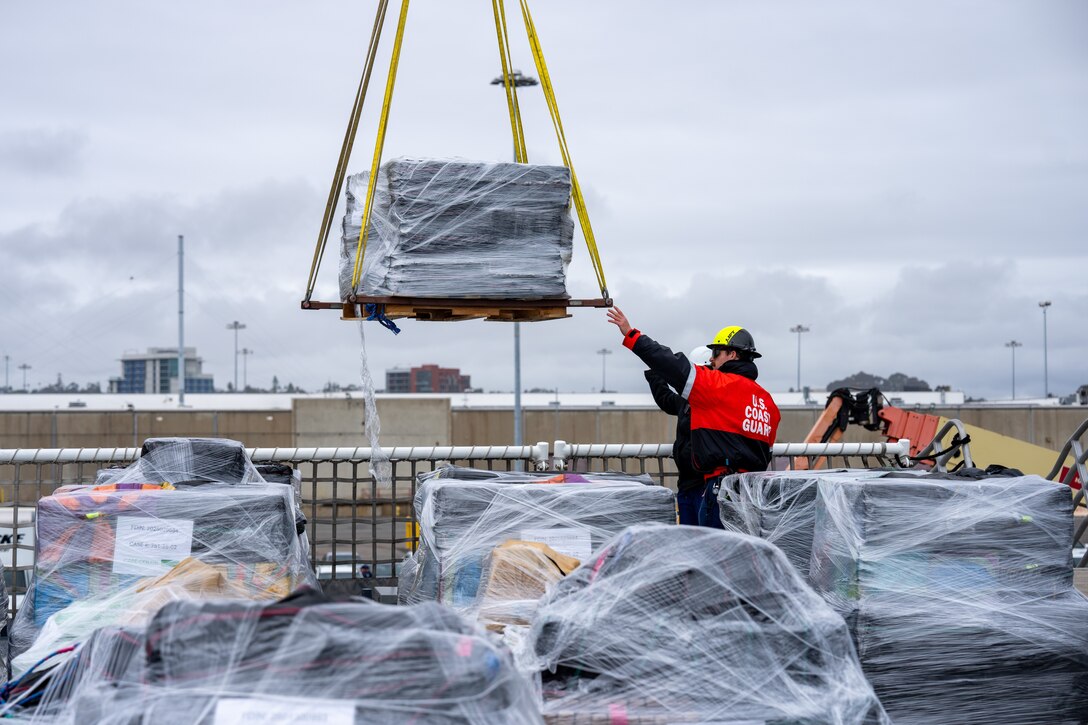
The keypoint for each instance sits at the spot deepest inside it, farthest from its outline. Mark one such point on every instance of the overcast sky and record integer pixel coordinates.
(909, 179)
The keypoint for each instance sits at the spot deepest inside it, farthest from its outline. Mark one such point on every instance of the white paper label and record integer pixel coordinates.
(150, 547)
(243, 711)
(570, 541)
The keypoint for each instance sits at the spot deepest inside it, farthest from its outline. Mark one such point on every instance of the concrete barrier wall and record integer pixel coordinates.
(430, 421)
(96, 429)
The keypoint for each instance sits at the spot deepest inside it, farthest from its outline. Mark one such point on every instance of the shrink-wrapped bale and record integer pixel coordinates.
(959, 595)
(187, 460)
(114, 553)
(465, 515)
(445, 228)
(779, 506)
(304, 657)
(693, 625)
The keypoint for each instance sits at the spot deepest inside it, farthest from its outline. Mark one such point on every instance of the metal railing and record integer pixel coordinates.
(353, 520)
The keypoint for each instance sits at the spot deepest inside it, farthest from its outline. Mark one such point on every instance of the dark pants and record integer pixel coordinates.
(687, 504)
(708, 506)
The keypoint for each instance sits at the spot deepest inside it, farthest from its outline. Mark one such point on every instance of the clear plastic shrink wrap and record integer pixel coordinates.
(163, 530)
(680, 624)
(959, 596)
(339, 663)
(779, 506)
(4, 629)
(445, 228)
(491, 543)
(186, 460)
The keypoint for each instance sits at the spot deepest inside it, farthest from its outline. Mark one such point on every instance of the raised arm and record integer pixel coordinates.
(673, 367)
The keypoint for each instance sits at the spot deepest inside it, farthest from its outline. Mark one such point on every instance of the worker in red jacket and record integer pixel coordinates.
(733, 419)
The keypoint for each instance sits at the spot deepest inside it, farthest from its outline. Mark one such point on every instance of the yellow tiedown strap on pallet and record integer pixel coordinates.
(379, 145)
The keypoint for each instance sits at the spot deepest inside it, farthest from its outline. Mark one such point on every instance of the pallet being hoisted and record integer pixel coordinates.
(449, 309)
(459, 309)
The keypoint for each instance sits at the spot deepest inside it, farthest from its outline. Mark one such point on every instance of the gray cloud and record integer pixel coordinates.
(42, 152)
(908, 181)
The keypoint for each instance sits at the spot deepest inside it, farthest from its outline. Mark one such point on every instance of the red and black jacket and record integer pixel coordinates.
(733, 419)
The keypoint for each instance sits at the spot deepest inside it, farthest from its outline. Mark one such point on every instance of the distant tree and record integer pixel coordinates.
(896, 383)
(899, 382)
(275, 384)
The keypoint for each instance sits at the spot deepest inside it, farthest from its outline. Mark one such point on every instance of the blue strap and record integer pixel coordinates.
(376, 312)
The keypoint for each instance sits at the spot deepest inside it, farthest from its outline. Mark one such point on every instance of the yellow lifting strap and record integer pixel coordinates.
(521, 155)
(379, 145)
(553, 109)
(345, 149)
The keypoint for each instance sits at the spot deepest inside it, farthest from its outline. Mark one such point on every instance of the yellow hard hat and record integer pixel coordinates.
(737, 338)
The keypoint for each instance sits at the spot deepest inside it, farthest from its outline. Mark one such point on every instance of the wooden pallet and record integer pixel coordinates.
(455, 309)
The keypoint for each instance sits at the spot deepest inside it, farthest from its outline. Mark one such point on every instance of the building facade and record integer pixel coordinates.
(156, 371)
(427, 379)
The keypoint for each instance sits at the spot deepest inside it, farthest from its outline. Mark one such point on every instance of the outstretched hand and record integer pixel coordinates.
(617, 318)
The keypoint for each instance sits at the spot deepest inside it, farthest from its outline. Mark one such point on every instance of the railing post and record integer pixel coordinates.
(903, 455)
(559, 455)
(540, 456)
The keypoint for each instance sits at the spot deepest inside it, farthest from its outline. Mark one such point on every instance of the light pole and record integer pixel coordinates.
(1012, 345)
(604, 352)
(1046, 368)
(24, 367)
(799, 329)
(246, 352)
(517, 80)
(236, 326)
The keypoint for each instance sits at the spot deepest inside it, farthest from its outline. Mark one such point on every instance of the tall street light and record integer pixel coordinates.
(604, 352)
(1046, 368)
(245, 352)
(1012, 345)
(24, 367)
(518, 81)
(236, 326)
(799, 329)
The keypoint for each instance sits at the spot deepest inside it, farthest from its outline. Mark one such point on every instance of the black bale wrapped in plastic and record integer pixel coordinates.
(779, 506)
(465, 514)
(347, 662)
(455, 228)
(680, 624)
(959, 595)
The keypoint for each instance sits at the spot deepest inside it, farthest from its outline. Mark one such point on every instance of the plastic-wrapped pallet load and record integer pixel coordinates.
(959, 595)
(779, 506)
(491, 543)
(692, 625)
(114, 553)
(186, 460)
(444, 228)
(304, 659)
